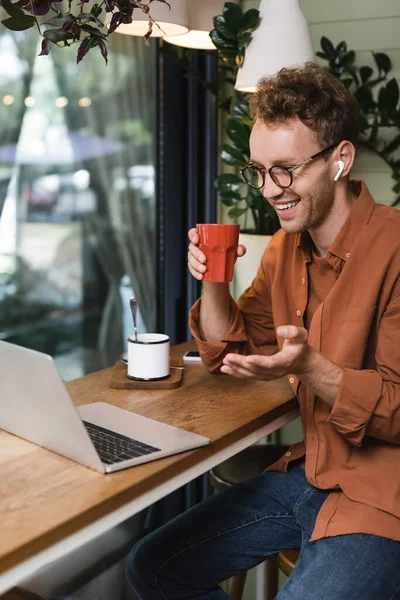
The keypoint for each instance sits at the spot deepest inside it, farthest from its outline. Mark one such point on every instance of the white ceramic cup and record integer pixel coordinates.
(148, 357)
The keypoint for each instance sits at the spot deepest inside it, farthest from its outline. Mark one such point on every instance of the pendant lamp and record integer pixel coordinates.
(281, 40)
(201, 14)
(174, 21)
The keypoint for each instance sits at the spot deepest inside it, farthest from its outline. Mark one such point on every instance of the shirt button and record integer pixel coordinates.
(291, 379)
(347, 254)
(298, 313)
(288, 454)
(303, 280)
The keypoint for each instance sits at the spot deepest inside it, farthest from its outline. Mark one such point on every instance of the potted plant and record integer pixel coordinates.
(231, 34)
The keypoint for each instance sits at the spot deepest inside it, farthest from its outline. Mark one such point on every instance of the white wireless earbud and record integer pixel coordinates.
(340, 171)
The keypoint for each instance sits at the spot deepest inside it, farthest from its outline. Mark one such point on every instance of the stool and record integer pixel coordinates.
(253, 461)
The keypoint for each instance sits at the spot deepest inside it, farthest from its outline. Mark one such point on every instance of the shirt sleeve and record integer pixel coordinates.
(368, 401)
(251, 328)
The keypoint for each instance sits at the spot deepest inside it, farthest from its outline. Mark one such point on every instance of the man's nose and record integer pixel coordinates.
(270, 189)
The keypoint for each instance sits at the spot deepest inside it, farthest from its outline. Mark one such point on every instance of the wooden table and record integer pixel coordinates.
(50, 505)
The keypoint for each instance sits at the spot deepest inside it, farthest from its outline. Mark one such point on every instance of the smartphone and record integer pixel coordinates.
(192, 356)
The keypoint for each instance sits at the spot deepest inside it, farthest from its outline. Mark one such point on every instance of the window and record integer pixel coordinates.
(77, 198)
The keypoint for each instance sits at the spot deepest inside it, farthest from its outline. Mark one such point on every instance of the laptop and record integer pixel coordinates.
(35, 405)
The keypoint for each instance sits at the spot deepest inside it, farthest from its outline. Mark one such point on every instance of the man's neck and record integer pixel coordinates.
(324, 234)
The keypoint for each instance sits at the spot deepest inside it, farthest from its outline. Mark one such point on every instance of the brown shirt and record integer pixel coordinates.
(352, 448)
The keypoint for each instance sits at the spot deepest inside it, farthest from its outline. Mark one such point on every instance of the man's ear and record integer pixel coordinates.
(344, 153)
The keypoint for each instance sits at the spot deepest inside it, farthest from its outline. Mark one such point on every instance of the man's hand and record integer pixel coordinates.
(292, 359)
(297, 357)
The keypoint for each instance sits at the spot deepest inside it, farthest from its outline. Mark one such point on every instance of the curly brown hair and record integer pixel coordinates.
(311, 94)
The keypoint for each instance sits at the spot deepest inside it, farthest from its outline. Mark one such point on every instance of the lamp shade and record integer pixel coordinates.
(281, 40)
(174, 21)
(201, 14)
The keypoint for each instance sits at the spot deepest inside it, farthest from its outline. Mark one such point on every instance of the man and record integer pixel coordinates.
(323, 309)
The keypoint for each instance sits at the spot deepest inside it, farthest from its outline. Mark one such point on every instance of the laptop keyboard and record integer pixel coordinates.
(112, 447)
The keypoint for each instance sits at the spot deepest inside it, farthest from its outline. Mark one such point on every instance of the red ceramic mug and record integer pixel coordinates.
(219, 244)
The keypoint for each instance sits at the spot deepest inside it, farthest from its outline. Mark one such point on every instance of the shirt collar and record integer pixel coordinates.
(359, 216)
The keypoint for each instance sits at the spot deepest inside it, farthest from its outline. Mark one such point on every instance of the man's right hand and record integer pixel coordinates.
(197, 259)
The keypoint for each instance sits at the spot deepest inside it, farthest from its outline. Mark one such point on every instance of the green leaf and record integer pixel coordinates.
(328, 48)
(393, 145)
(19, 24)
(244, 39)
(392, 93)
(347, 81)
(55, 36)
(241, 110)
(239, 134)
(223, 30)
(232, 13)
(365, 99)
(322, 55)
(383, 62)
(249, 20)
(236, 212)
(59, 21)
(228, 182)
(255, 201)
(341, 49)
(348, 59)
(220, 42)
(13, 9)
(229, 199)
(365, 73)
(232, 156)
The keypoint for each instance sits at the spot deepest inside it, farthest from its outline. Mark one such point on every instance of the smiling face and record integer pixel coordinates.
(308, 203)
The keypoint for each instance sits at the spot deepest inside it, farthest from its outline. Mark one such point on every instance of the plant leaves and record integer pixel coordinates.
(236, 212)
(229, 199)
(19, 24)
(45, 48)
(220, 42)
(392, 94)
(228, 182)
(239, 134)
(82, 50)
(57, 35)
(223, 30)
(103, 50)
(383, 62)
(232, 156)
(322, 55)
(365, 99)
(232, 13)
(244, 39)
(347, 81)
(59, 21)
(241, 110)
(365, 73)
(328, 48)
(249, 20)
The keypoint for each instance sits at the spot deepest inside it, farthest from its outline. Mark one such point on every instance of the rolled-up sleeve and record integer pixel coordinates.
(251, 329)
(212, 353)
(368, 401)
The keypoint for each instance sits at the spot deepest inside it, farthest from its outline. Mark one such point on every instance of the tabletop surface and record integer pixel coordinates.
(46, 497)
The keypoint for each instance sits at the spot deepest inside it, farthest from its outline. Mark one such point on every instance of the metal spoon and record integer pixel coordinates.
(133, 304)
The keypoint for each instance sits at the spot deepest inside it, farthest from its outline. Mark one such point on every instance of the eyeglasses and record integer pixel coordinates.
(281, 176)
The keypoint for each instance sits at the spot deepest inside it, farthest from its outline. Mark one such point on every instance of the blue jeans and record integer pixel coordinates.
(236, 529)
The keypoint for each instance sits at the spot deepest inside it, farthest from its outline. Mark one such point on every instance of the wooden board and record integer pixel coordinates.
(121, 381)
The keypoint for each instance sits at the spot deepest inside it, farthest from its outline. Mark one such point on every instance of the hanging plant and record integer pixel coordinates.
(62, 27)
